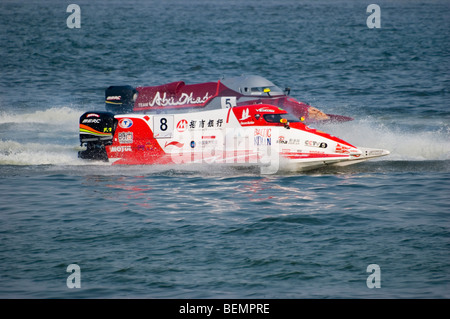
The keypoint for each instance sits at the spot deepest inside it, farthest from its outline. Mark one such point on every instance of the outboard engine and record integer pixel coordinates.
(120, 99)
(96, 131)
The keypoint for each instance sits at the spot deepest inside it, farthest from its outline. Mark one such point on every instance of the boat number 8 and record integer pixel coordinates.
(163, 126)
(163, 122)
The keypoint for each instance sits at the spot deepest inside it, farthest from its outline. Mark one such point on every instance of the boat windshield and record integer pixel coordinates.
(259, 90)
(276, 118)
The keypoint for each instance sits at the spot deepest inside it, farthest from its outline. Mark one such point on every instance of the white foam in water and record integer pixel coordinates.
(28, 147)
(38, 144)
(55, 115)
(403, 143)
(14, 153)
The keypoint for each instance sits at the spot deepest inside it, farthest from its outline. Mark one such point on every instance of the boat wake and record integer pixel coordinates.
(413, 142)
(53, 116)
(15, 153)
(43, 137)
(50, 137)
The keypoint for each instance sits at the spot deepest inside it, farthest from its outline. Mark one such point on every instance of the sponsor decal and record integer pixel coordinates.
(264, 132)
(315, 144)
(92, 115)
(149, 146)
(114, 98)
(201, 124)
(247, 123)
(174, 143)
(208, 141)
(126, 137)
(375, 152)
(121, 148)
(342, 149)
(96, 121)
(263, 136)
(84, 129)
(265, 110)
(182, 126)
(192, 144)
(125, 123)
(245, 115)
(281, 140)
(185, 98)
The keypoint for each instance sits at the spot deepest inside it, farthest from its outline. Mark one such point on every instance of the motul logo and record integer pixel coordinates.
(182, 126)
(121, 149)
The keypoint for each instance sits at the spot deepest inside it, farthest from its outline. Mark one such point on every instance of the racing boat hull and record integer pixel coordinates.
(225, 93)
(253, 135)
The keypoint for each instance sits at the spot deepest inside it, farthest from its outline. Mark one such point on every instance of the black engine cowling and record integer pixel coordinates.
(96, 131)
(120, 99)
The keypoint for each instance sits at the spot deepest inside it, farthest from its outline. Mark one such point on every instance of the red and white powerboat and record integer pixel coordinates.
(261, 135)
(225, 93)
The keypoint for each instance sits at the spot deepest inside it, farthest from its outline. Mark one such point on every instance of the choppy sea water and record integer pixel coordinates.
(217, 232)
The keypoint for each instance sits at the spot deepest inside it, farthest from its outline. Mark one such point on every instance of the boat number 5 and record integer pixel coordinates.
(228, 102)
(163, 126)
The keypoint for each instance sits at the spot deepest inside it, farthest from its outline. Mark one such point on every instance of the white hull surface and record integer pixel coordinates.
(254, 135)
